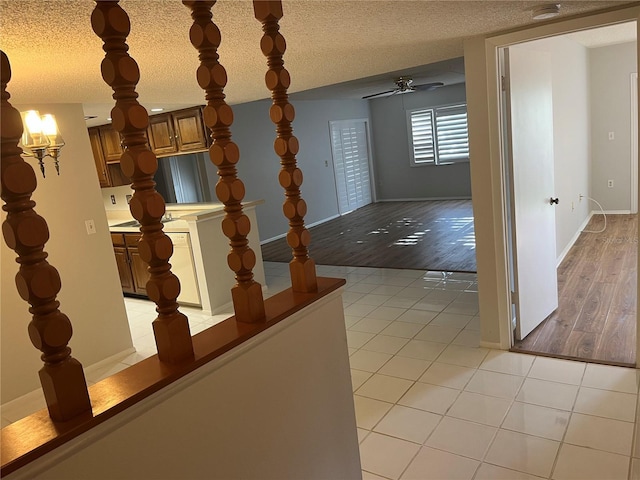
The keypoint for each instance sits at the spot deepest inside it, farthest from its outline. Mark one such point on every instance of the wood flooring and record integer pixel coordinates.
(426, 235)
(596, 316)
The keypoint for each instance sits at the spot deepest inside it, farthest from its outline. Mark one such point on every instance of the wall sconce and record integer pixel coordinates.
(41, 137)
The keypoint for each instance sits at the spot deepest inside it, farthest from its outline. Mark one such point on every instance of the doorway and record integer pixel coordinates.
(588, 324)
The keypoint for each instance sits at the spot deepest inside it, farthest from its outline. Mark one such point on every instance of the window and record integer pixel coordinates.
(439, 136)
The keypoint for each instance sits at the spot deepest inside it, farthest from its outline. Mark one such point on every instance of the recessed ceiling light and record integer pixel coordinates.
(157, 109)
(109, 119)
(544, 12)
(90, 117)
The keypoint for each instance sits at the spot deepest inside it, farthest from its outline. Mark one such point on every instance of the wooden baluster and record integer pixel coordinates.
(224, 153)
(171, 328)
(273, 45)
(38, 282)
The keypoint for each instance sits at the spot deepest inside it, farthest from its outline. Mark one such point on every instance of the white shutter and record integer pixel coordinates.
(350, 148)
(422, 137)
(452, 134)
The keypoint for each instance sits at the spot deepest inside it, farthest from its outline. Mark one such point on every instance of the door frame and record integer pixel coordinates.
(487, 179)
(634, 142)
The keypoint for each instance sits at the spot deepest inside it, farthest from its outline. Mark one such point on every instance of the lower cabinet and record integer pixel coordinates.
(131, 268)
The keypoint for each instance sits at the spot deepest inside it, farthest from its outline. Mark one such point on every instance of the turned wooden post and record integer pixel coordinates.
(171, 328)
(38, 282)
(224, 153)
(273, 45)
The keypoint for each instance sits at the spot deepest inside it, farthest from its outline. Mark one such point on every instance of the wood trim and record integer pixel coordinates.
(28, 439)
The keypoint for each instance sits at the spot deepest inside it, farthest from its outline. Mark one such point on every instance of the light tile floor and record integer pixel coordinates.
(431, 404)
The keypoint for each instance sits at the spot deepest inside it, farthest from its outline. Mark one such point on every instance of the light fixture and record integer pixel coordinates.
(157, 109)
(544, 12)
(41, 137)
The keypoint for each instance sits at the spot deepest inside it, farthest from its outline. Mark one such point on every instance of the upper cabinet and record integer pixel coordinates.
(175, 132)
(111, 143)
(107, 150)
(168, 134)
(98, 157)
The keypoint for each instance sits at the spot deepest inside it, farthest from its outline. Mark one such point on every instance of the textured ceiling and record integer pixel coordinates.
(55, 56)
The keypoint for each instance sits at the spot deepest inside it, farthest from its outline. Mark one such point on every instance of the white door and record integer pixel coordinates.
(534, 231)
(350, 149)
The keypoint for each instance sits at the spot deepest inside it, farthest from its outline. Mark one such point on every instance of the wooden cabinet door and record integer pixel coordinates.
(124, 270)
(161, 134)
(189, 130)
(111, 143)
(98, 158)
(139, 271)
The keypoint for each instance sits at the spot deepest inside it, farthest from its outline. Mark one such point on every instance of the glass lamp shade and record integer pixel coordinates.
(33, 135)
(50, 130)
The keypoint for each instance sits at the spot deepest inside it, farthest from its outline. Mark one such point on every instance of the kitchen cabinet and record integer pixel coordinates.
(131, 268)
(139, 269)
(105, 145)
(176, 132)
(98, 157)
(111, 143)
(168, 134)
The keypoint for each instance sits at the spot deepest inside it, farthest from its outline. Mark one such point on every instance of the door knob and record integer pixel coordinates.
(553, 200)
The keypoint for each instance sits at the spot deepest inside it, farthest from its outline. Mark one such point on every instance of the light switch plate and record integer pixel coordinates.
(90, 226)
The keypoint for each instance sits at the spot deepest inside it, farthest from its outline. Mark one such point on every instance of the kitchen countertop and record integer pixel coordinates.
(182, 214)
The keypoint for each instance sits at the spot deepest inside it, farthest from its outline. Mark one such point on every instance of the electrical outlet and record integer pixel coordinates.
(610, 183)
(611, 135)
(90, 226)
(113, 199)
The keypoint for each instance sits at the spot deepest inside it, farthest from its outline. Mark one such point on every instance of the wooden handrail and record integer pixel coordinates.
(247, 298)
(302, 268)
(38, 282)
(171, 328)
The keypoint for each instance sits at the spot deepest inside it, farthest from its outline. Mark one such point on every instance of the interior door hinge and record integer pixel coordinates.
(503, 83)
(514, 298)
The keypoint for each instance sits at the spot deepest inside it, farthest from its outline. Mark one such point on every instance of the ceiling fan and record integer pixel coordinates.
(405, 85)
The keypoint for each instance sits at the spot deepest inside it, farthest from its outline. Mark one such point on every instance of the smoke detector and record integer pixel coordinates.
(544, 12)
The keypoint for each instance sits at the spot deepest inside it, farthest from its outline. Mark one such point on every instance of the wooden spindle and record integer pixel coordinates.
(38, 282)
(273, 45)
(224, 153)
(171, 328)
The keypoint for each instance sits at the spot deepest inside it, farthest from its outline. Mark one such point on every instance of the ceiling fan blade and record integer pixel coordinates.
(426, 87)
(388, 92)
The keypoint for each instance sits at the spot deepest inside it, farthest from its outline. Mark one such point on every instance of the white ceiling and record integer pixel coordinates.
(360, 46)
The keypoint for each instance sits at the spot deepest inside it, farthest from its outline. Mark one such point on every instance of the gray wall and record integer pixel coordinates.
(259, 166)
(611, 68)
(395, 178)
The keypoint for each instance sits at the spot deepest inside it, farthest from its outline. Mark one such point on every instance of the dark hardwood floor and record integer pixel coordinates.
(432, 235)
(596, 316)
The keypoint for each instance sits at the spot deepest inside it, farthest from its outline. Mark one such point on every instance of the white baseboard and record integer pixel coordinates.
(426, 199)
(573, 240)
(310, 225)
(491, 345)
(612, 212)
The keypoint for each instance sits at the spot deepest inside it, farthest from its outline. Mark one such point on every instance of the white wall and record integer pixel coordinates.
(277, 407)
(395, 178)
(259, 166)
(91, 295)
(572, 137)
(611, 68)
